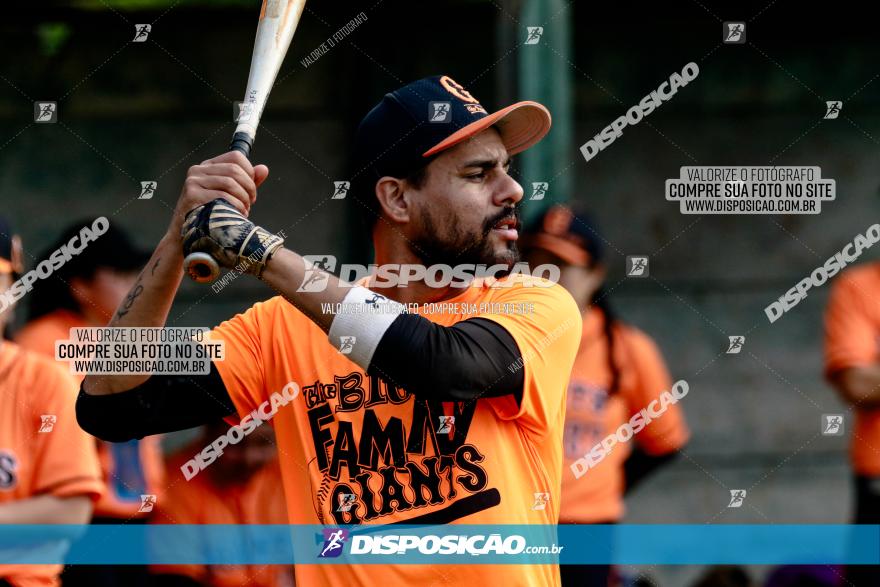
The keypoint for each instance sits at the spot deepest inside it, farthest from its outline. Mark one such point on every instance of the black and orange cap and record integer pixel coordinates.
(412, 124)
(568, 234)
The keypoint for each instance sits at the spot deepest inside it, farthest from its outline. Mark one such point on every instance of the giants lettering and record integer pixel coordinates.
(414, 486)
(8, 465)
(386, 466)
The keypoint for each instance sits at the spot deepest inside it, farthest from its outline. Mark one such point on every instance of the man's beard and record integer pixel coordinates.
(459, 248)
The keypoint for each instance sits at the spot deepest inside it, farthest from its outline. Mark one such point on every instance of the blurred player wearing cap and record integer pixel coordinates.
(852, 366)
(374, 423)
(49, 471)
(83, 292)
(617, 373)
(240, 488)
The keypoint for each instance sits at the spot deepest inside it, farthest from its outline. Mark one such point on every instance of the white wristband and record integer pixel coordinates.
(361, 323)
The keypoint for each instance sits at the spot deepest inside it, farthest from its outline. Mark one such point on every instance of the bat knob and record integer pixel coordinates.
(201, 267)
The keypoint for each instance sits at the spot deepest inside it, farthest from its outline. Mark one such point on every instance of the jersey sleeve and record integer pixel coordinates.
(67, 460)
(548, 333)
(242, 370)
(850, 335)
(669, 432)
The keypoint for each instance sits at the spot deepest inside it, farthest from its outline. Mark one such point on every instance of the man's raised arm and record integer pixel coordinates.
(229, 176)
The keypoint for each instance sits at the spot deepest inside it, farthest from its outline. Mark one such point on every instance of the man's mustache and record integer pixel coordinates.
(506, 213)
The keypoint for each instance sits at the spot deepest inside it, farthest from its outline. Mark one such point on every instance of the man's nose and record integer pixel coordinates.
(509, 192)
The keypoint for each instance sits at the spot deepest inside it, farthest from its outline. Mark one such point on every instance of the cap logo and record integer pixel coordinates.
(557, 220)
(457, 90)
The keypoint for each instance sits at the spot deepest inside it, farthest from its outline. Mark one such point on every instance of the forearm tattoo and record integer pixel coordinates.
(128, 302)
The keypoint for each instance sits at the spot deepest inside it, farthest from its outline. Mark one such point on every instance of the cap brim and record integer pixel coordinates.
(562, 248)
(521, 125)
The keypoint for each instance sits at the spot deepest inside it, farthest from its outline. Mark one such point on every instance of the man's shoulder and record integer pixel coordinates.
(39, 334)
(269, 312)
(523, 284)
(860, 283)
(40, 366)
(862, 274)
(538, 291)
(35, 375)
(634, 335)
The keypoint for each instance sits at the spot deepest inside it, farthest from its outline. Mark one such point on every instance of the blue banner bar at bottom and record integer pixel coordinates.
(659, 544)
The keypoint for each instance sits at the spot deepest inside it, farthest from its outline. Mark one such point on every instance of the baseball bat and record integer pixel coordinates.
(278, 20)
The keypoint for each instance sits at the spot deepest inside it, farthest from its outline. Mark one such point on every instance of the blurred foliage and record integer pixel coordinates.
(52, 35)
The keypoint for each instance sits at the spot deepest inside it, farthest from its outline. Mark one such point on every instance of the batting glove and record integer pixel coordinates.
(218, 229)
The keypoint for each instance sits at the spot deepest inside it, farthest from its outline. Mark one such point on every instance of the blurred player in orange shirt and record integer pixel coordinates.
(852, 334)
(618, 372)
(85, 291)
(241, 487)
(49, 471)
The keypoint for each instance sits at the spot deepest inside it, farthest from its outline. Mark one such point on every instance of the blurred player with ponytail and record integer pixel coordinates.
(617, 373)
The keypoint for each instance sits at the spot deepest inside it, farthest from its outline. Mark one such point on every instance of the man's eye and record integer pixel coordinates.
(480, 175)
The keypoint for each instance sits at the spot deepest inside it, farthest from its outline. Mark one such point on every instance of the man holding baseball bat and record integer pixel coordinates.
(402, 418)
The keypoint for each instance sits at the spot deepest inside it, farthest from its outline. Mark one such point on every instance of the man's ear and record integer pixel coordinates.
(391, 193)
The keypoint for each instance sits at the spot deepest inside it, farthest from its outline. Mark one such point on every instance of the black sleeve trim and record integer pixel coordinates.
(163, 403)
(472, 359)
(640, 465)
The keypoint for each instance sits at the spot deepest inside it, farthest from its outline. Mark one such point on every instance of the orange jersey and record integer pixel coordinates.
(852, 334)
(130, 469)
(201, 501)
(402, 459)
(592, 414)
(43, 451)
